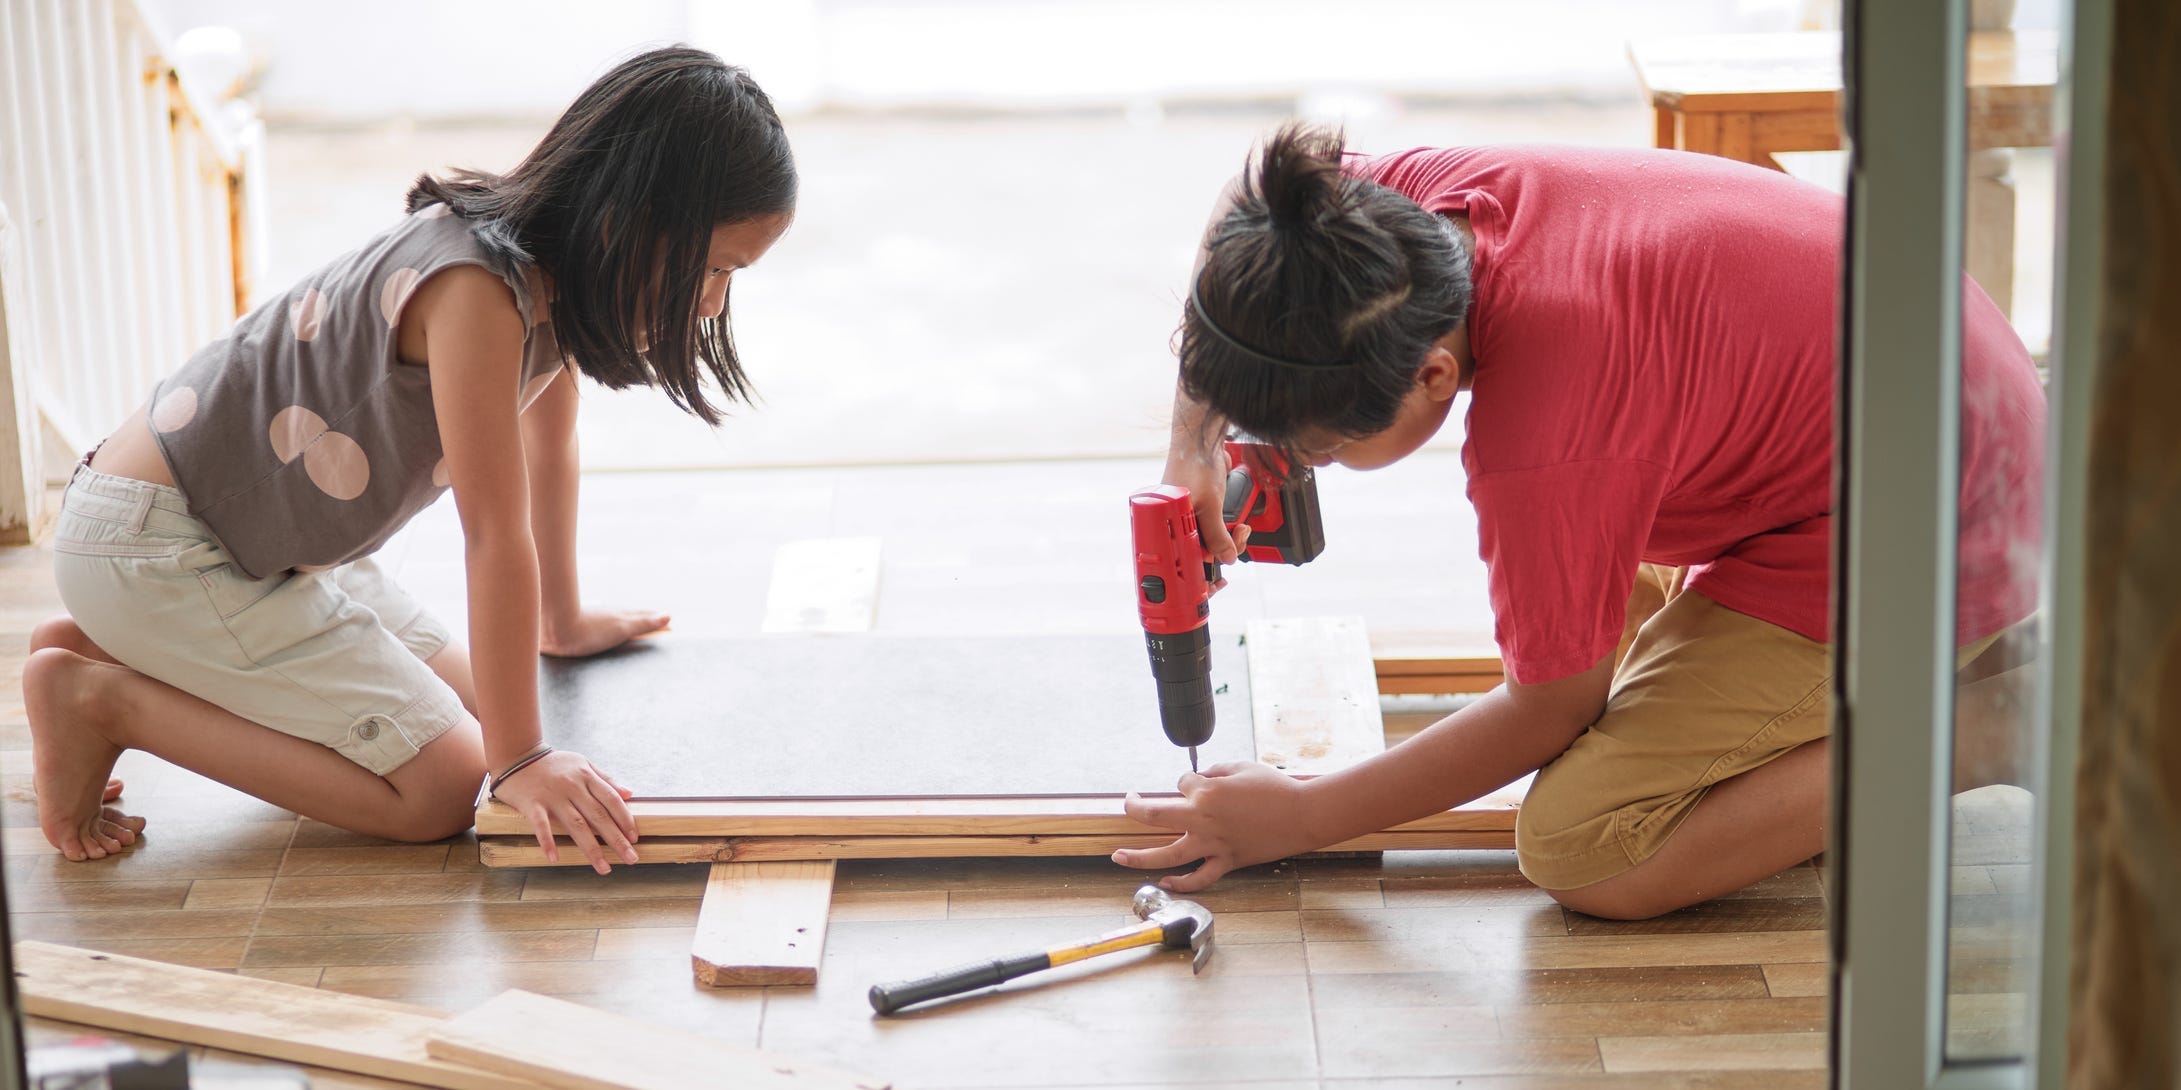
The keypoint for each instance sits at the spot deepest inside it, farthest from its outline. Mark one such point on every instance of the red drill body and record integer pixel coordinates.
(1175, 577)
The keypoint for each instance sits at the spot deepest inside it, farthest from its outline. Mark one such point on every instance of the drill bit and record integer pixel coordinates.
(1192, 758)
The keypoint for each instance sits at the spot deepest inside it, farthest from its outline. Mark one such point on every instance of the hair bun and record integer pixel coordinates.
(1298, 173)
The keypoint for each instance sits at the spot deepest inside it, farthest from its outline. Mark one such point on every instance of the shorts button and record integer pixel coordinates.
(369, 730)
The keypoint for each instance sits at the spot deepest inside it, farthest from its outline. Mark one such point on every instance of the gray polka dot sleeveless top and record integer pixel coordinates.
(299, 438)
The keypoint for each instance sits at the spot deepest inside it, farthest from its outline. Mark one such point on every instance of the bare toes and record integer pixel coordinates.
(113, 791)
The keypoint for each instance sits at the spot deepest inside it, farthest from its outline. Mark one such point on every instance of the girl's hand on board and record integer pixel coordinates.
(1204, 474)
(566, 787)
(596, 630)
(1233, 815)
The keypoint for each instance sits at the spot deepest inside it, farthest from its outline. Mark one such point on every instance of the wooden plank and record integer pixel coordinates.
(762, 923)
(1017, 816)
(562, 1044)
(518, 851)
(260, 1017)
(1313, 694)
(823, 585)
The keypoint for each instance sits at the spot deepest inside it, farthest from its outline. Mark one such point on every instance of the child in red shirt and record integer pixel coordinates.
(1647, 338)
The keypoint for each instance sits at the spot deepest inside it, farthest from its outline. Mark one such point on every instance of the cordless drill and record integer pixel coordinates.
(1175, 577)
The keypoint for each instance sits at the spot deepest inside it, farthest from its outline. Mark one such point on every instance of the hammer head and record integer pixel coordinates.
(1182, 923)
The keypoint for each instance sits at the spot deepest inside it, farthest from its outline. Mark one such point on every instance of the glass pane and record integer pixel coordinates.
(2006, 325)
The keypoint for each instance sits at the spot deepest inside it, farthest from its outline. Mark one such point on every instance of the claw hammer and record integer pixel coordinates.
(1167, 922)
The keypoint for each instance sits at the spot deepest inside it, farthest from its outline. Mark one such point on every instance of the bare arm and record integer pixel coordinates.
(1240, 814)
(551, 455)
(473, 344)
(1195, 458)
(473, 341)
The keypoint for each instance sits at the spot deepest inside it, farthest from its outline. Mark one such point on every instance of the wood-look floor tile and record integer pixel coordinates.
(146, 865)
(76, 928)
(206, 953)
(621, 943)
(1328, 894)
(1798, 979)
(1481, 888)
(1484, 922)
(1113, 896)
(386, 859)
(94, 896)
(1392, 1042)
(1533, 987)
(1059, 1027)
(402, 889)
(1652, 1018)
(1746, 1052)
(888, 904)
(476, 982)
(457, 916)
(1800, 880)
(1456, 951)
(170, 835)
(1711, 917)
(218, 894)
(448, 948)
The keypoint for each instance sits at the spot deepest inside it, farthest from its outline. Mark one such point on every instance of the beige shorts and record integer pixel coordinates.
(1700, 693)
(335, 657)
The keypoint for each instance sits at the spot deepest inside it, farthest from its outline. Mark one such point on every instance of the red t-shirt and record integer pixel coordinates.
(1654, 342)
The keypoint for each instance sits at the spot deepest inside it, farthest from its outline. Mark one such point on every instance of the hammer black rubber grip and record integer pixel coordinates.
(888, 998)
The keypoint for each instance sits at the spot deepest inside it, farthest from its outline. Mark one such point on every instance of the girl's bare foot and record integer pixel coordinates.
(63, 632)
(72, 757)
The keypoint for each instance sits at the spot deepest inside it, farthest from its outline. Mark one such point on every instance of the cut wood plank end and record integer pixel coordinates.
(762, 923)
(258, 1017)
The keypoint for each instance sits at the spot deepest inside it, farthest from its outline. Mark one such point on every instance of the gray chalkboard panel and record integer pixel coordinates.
(880, 715)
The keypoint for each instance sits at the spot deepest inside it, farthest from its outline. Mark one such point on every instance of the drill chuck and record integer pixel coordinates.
(1181, 664)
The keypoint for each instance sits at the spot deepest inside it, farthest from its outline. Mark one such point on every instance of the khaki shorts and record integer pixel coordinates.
(1700, 693)
(335, 657)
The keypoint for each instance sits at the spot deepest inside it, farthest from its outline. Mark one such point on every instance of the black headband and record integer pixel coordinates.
(1204, 318)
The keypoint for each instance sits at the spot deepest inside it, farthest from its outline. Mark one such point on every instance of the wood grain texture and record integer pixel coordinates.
(259, 1017)
(516, 851)
(762, 923)
(2125, 985)
(564, 1045)
(1313, 694)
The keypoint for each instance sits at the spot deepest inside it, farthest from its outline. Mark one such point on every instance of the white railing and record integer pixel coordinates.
(124, 230)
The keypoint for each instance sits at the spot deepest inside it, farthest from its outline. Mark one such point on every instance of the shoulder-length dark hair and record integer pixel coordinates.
(617, 204)
(1319, 295)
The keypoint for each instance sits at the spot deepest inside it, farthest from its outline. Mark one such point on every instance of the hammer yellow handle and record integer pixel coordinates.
(1126, 938)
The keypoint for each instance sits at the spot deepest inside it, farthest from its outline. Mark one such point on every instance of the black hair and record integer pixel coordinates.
(618, 203)
(1345, 283)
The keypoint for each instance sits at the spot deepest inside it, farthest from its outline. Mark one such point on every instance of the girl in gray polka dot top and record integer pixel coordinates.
(219, 543)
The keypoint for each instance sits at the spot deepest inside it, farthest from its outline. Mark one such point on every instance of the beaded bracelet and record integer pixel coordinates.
(492, 784)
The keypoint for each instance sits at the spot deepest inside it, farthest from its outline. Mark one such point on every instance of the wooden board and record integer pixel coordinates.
(521, 851)
(877, 715)
(1313, 695)
(761, 923)
(258, 1017)
(562, 1044)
